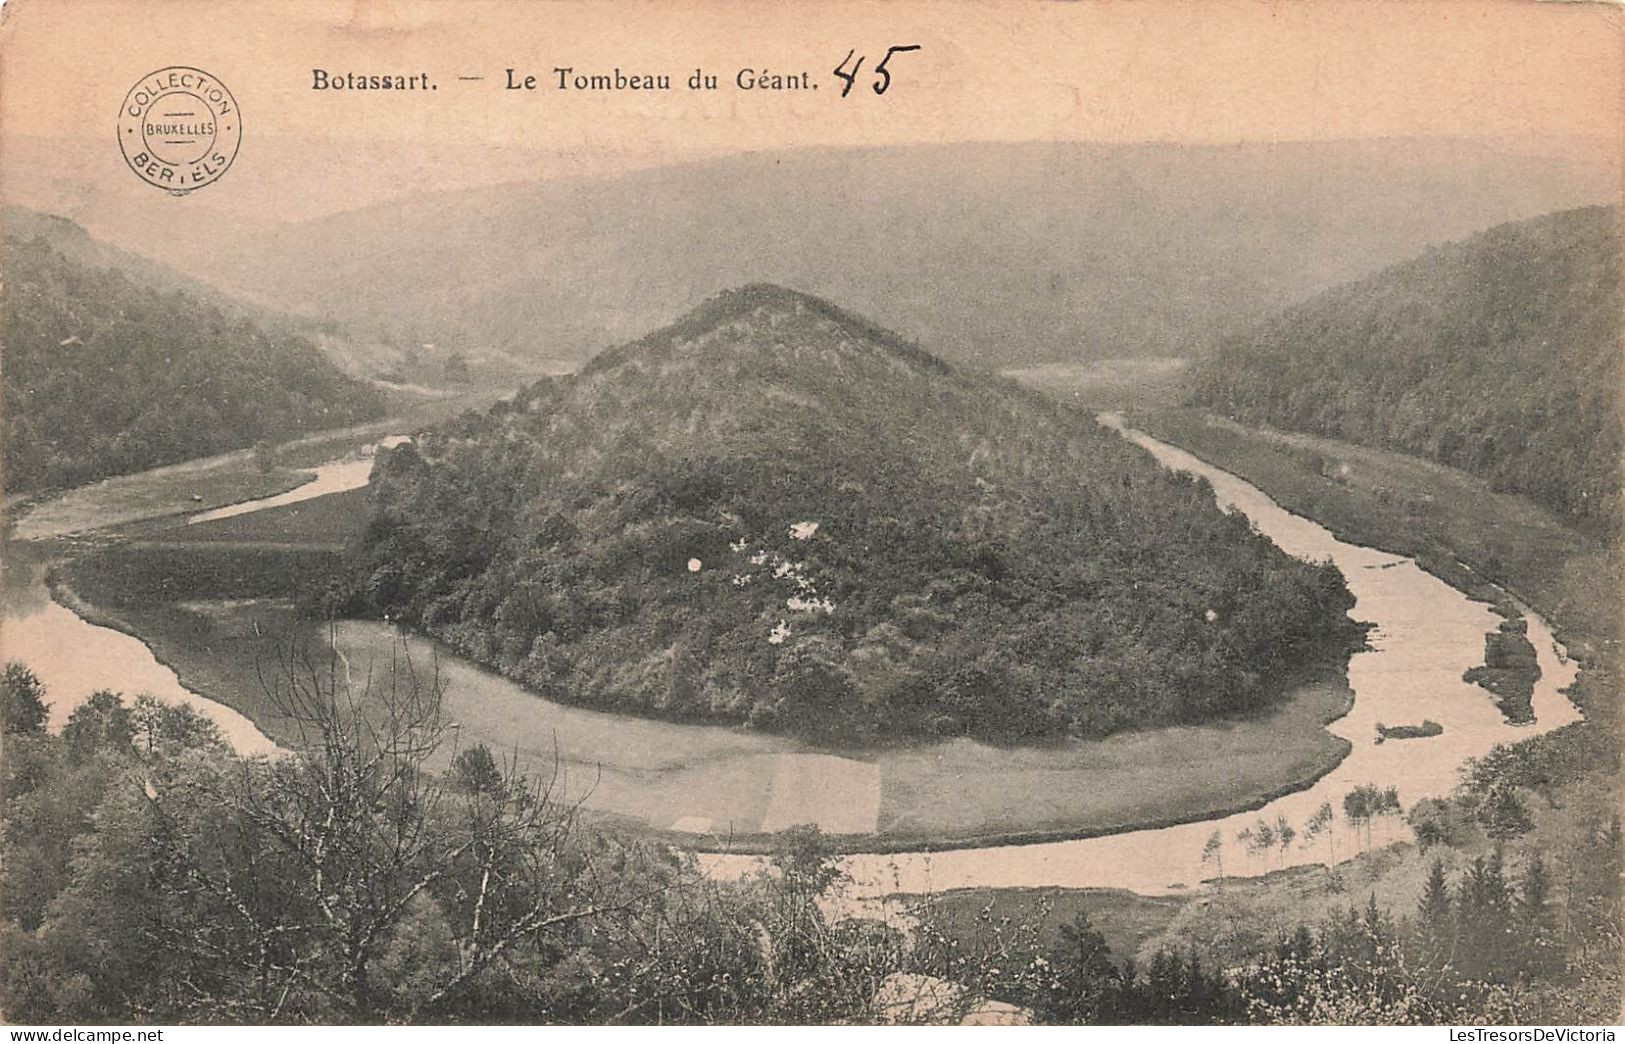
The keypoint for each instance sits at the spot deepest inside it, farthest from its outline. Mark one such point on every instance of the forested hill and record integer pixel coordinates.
(67, 238)
(105, 376)
(775, 512)
(1499, 355)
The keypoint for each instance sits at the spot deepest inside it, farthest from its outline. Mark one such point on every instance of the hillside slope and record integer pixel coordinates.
(1499, 355)
(775, 512)
(106, 375)
(78, 246)
(997, 254)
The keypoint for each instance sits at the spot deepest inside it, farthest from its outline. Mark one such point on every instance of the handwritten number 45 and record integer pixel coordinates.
(882, 75)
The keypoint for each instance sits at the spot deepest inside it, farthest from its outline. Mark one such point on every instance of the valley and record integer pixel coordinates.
(1147, 884)
(719, 787)
(772, 605)
(992, 254)
(712, 786)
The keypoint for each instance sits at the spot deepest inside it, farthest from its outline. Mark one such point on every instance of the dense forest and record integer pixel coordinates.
(106, 376)
(774, 512)
(1499, 355)
(151, 875)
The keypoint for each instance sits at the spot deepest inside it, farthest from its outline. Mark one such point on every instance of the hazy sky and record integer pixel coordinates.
(1209, 71)
(1199, 70)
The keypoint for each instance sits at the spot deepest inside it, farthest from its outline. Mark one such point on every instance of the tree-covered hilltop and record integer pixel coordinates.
(105, 376)
(775, 512)
(1499, 355)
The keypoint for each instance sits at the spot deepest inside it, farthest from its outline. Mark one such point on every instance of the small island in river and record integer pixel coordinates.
(1429, 727)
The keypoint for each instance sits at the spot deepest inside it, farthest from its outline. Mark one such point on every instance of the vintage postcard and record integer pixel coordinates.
(834, 512)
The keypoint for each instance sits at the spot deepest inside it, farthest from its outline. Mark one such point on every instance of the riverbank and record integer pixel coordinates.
(1479, 541)
(711, 787)
(1482, 542)
(173, 633)
(714, 787)
(215, 482)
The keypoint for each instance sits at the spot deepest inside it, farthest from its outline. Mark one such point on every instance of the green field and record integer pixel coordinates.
(136, 575)
(230, 650)
(710, 784)
(321, 523)
(1128, 781)
(163, 492)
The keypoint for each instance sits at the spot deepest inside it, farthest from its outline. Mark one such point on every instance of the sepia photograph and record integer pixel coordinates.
(833, 513)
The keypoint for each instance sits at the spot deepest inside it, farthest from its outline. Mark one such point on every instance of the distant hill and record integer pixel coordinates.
(1499, 354)
(385, 362)
(776, 512)
(76, 245)
(107, 374)
(996, 254)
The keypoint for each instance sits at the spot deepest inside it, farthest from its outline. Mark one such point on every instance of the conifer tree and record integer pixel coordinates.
(1541, 953)
(1088, 981)
(1435, 917)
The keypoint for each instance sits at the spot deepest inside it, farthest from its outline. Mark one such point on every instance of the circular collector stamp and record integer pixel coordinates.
(179, 129)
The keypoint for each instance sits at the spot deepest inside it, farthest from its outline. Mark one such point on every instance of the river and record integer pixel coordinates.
(336, 476)
(74, 657)
(1425, 635)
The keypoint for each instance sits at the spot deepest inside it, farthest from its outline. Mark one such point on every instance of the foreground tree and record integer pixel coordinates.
(351, 882)
(1435, 918)
(101, 723)
(381, 874)
(1322, 822)
(1213, 852)
(22, 701)
(1087, 982)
